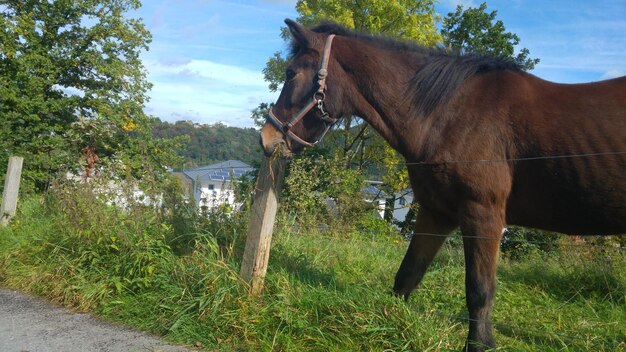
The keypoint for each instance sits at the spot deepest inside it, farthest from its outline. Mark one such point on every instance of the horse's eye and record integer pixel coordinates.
(290, 74)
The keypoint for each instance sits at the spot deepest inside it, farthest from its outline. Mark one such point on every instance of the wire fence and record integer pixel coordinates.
(508, 160)
(523, 159)
(574, 338)
(562, 338)
(476, 161)
(457, 234)
(544, 243)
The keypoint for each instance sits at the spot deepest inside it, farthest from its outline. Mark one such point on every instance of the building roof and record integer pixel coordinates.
(220, 171)
(374, 192)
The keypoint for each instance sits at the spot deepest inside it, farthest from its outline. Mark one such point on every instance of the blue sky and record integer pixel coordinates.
(206, 56)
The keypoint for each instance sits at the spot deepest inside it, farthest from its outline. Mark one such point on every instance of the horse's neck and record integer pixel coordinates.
(382, 80)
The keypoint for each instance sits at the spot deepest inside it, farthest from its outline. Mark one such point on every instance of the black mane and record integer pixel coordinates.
(440, 77)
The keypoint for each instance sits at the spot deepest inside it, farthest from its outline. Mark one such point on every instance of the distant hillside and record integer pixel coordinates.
(212, 143)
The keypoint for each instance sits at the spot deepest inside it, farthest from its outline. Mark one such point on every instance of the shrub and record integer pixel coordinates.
(374, 227)
(93, 232)
(519, 242)
(322, 190)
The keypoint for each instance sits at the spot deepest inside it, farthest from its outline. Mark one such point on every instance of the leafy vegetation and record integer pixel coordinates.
(206, 144)
(324, 291)
(72, 90)
(411, 20)
(72, 94)
(312, 185)
(473, 30)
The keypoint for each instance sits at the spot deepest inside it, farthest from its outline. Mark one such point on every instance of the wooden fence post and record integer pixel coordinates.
(262, 216)
(11, 189)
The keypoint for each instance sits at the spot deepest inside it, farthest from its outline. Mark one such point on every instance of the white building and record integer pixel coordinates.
(402, 200)
(212, 185)
(376, 197)
(402, 203)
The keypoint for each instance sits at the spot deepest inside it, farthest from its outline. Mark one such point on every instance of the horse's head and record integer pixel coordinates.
(309, 103)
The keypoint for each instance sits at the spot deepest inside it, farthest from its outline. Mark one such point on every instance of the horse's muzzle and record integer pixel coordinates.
(269, 149)
(271, 139)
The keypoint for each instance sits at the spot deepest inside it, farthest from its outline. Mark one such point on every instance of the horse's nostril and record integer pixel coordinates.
(269, 151)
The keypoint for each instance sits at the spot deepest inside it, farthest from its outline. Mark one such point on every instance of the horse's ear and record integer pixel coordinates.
(300, 33)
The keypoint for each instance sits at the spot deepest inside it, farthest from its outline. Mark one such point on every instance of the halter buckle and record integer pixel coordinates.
(320, 107)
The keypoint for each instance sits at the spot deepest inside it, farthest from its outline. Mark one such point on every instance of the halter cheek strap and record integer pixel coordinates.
(317, 101)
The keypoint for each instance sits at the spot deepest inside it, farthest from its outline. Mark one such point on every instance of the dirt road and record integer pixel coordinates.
(29, 324)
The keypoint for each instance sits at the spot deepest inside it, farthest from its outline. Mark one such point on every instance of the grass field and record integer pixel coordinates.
(323, 292)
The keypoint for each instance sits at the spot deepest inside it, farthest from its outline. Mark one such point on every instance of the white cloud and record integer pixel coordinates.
(614, 73)
(174, 61)
(204, 91)
(209, 71)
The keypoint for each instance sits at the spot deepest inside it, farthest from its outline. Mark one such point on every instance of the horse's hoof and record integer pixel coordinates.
(400, 293)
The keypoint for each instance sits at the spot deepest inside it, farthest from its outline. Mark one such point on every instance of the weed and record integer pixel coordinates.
(322, 291)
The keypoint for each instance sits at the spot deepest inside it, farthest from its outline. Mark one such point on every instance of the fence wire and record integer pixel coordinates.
(459, 235)
(505, 160)
(562, 338)
(504, 239)
(515, 329)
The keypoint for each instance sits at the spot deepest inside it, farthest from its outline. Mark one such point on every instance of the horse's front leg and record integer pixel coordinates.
(481, 226)
(430, 233)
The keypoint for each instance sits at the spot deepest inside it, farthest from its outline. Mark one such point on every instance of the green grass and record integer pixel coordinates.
(321, 293)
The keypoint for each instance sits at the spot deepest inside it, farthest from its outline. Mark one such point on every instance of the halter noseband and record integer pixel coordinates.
(317, 101)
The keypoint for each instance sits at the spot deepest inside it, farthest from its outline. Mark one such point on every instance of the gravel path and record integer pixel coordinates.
(29, 324)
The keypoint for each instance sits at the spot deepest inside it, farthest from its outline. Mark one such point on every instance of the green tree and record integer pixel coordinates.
(413, 20)
(474, 30)
(205, 144)
(62, 64)
(259, 114)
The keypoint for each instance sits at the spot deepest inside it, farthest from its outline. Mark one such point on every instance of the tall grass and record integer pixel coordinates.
(323, 292)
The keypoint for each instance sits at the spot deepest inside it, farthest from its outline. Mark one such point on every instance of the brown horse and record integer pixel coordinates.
(485, 143)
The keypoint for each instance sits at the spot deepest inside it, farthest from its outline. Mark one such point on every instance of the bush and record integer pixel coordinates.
(92, 231)
(322, 190)
(190, 227)
(518, 242)
(375, 227)
(106, 237)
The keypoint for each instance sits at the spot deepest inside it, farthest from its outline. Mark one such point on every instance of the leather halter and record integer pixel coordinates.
(317, 101)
